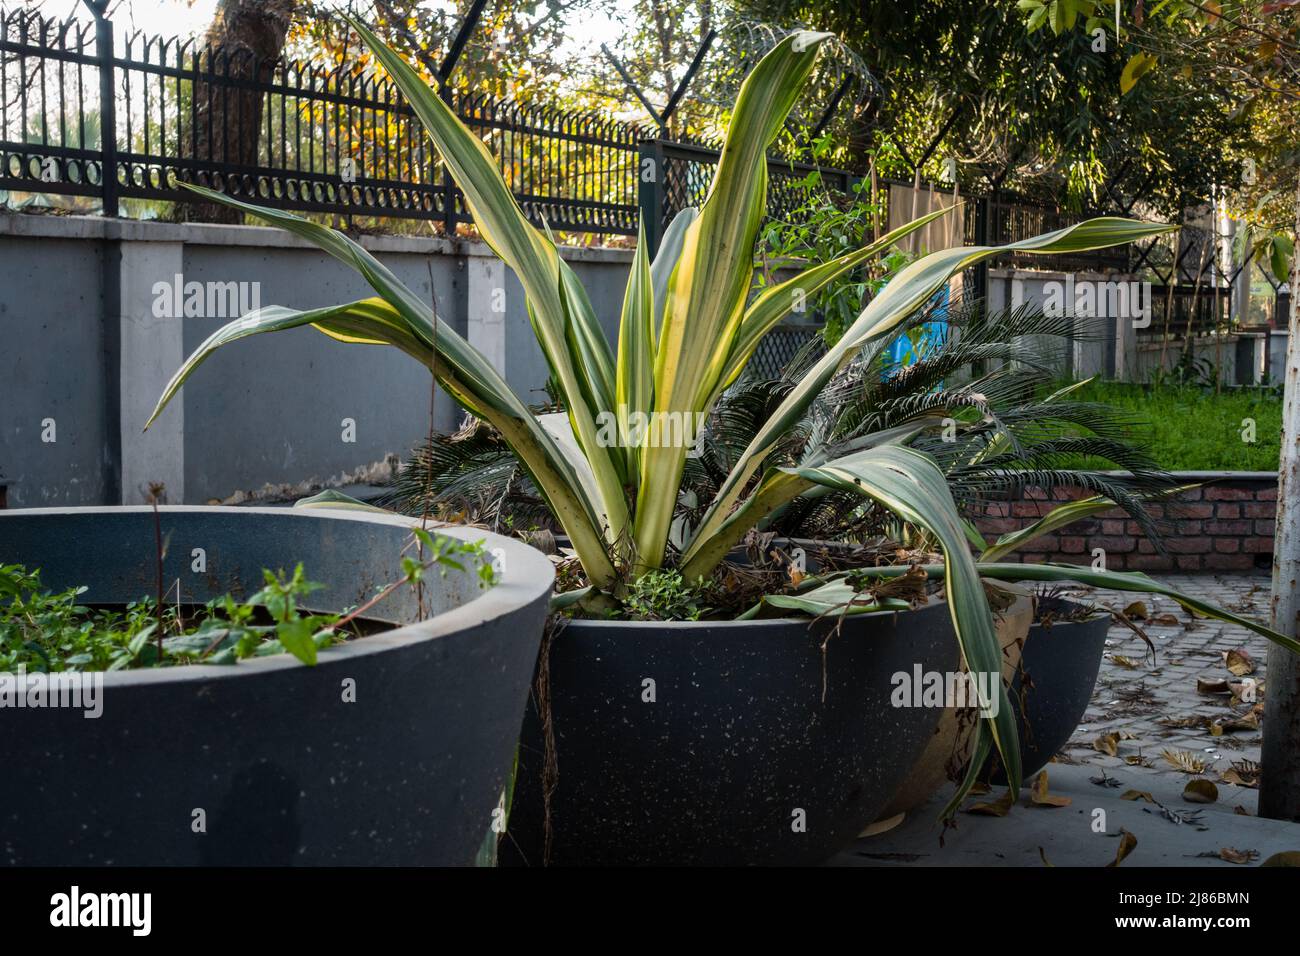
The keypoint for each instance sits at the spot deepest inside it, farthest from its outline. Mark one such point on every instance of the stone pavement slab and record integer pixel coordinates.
(1068, 836)
(1152, 705)
(1152, 702)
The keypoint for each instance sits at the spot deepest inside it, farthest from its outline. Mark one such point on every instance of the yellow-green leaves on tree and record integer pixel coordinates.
(1280, 252)
(1138, 66)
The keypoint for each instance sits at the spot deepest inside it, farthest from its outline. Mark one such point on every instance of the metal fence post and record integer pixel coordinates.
(981, 277)
(107, 109)
(651, 193)
(448, 184)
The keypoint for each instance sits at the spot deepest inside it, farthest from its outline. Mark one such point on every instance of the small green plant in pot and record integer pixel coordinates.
(689, 325)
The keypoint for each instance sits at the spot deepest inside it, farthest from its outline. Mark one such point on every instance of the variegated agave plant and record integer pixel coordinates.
(688, 328)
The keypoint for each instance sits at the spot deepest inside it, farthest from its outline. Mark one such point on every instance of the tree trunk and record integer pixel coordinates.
(244, 41)
(1279, 791)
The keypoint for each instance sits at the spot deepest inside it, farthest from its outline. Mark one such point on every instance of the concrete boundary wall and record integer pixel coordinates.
(1111, 347)
(88, 340)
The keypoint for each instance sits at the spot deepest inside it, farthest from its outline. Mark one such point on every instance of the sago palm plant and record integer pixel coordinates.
(688, 328)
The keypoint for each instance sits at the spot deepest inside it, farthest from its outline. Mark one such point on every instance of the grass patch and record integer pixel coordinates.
(1186, 428)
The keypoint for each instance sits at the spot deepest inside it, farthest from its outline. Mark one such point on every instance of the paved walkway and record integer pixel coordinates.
(1154, 705)
(1149, 706)
(1093, 827)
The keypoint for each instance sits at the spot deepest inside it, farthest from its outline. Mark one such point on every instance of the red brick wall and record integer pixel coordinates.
(1226, 525)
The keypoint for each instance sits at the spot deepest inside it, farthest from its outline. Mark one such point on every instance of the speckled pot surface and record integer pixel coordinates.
(730, 743)
(268, 762)
(1052, 687)
(948, 749)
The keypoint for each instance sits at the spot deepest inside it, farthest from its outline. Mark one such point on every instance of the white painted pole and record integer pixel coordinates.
(1279, 792)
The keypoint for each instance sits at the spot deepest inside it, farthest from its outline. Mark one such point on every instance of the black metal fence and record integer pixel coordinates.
(87, 113)
(79, 116)
(676, 175)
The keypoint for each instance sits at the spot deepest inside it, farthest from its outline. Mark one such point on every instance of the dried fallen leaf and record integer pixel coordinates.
(1240, 811)
(1200, 791)
(1233, 855)
(1107, 744)
(1191, 817)
(1124, 662)
(1137, 760)
(1164, 620)
(1137, 611)
(1285, 858)
(1249, 722)
(1239, 663)
(1195, 720)
(1212, 686)
(1039, 797)
(1043, 856)
(998, 808)
(1184, 760)
(1127, 842)
(1242, 773)
(1239, 691)
(1137, 795)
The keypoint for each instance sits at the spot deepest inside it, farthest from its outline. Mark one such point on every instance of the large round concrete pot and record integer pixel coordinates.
(393, 749)
(729, 743)
(1057, 673)
(950, 745)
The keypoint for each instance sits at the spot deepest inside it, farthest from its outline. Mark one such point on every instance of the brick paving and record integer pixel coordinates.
(1154, 705)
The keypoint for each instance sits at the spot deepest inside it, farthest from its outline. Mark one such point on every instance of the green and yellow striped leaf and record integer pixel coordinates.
(915, 285)
(912, 486)
(561, 318)
(706, 290)
(634, 388)
(463, 373)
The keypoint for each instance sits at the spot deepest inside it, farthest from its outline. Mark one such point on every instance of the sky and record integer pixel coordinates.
(186, 18)
(175, 17)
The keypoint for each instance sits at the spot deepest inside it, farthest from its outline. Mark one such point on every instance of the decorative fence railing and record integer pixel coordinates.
(677, 175)
(85, 112)
(79, 117)
(88, 113)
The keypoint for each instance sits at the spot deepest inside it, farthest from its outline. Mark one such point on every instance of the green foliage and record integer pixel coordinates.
(1040, 112)
(445, 554)
(827, 224)
(1186, 428)
(50, 631)
(665, 596)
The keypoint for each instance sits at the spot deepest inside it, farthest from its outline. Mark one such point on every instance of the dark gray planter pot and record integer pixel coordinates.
(283, 768)
(737, 741)
(1051, 689)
